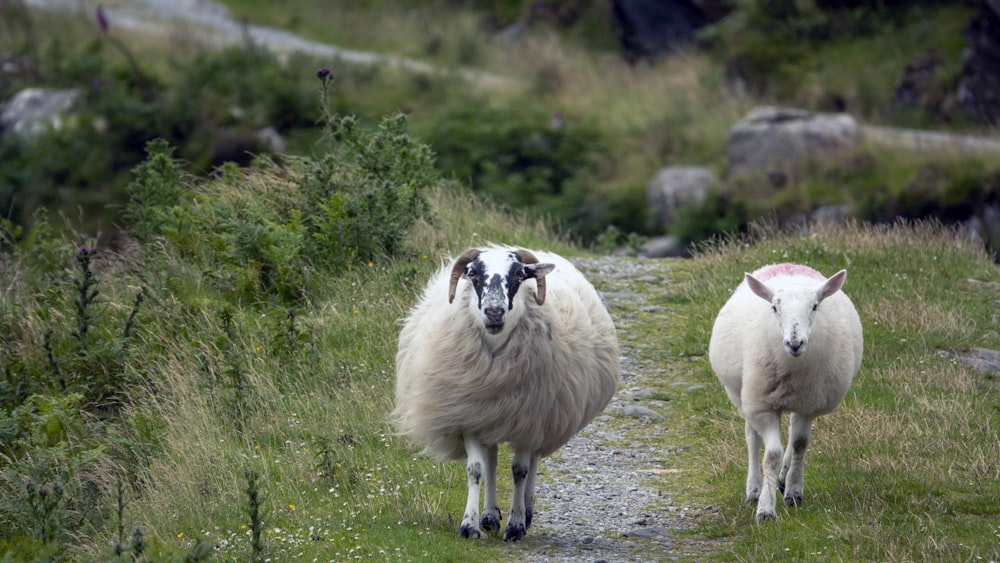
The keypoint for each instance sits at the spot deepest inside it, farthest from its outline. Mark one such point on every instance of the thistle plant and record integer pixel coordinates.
(131, 316)
(256, 523)
(103, 25)
(234, 374)
(86, 295)
(325, 85)
(120, 497)
(138, 544)
(43, 504)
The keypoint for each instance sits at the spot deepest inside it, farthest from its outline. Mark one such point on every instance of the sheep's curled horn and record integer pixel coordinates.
(459, 268)
(469, 255)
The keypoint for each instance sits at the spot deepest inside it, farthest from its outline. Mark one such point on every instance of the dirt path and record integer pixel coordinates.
(210, 23)
(603, 496)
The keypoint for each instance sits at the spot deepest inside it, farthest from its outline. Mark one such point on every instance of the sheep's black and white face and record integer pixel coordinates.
(496, 276)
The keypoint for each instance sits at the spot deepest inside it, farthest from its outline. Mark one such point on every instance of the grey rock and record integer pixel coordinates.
(645, 532)
(675, 187)
(640, 412)
(663, 247)
(33, 110)
(273, 141)
(831, 214)
(772, 139)
(642, 393)
(983, 359)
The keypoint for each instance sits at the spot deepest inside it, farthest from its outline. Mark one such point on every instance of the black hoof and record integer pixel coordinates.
(765, 516)
(470, 531)
(513, 533)
(793, 500)
(490, 523)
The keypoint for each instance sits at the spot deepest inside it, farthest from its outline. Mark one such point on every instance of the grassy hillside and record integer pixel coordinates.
(214, 383)
(572, 132)
(238, 409)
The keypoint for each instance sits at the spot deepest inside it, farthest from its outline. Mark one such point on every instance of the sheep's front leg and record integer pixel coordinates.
(767, 425)
(520, 468)
(753, 464)
(793, 467)
(491, 510)
(476, 464)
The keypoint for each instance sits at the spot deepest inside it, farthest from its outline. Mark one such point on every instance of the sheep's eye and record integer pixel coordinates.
(774, 308)
(815, 305)
(471, 275)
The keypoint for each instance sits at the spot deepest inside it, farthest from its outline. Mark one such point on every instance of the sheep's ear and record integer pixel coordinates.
(538, 271)
(832, 285)
(759, 288)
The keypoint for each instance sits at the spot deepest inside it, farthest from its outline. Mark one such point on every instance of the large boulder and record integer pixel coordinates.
(773, 139)
(33, 110)
(675, 187)
(979, 83)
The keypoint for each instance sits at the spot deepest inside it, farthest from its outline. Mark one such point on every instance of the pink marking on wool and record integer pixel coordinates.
(787, 269)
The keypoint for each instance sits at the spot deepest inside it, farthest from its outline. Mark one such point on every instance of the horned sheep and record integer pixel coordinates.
(506, 346)
(787, 340)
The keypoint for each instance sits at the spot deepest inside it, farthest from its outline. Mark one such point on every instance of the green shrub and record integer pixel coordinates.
(47, 489)
(520, 156)
(209, 106)
(273, 229)
(717, 214)
(365, 195)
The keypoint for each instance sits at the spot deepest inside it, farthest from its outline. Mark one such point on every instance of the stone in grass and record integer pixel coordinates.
(640, 412)
(983, 359)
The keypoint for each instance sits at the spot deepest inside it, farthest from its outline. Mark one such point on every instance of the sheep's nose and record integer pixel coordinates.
(494, 314)
(796, 348)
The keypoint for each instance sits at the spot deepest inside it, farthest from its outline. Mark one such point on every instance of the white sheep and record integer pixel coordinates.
(506, 346)
(787, 340)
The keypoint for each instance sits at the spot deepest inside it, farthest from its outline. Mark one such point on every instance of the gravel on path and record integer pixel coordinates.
(599, 498)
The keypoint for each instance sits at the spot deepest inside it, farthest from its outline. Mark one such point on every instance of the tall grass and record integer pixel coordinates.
(334, 481)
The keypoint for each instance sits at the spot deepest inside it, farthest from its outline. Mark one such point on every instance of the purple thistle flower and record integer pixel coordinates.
(323, 73)
(102, 19)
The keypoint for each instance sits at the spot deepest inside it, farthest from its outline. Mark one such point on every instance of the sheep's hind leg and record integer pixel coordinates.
(520, 468)
(490, 521)
(529, 493)
(475, 464)
(793, 474)
(753, 465)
